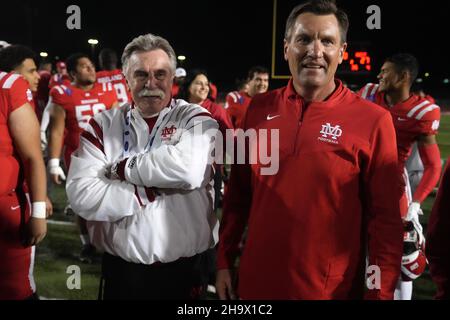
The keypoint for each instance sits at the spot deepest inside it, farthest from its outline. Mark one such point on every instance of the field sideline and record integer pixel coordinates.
(60, 248)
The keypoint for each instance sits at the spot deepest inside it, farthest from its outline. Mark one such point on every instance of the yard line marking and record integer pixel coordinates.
(61, 223)
(44, 298)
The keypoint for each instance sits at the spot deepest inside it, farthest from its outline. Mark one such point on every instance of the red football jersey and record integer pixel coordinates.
(236, 105)
(119, 83)
(14, 93)
(412, 118)
(80, 106)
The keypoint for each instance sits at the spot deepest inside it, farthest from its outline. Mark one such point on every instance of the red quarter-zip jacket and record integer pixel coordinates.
(334, 200)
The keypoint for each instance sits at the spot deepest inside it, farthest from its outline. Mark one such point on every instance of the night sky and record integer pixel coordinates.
(228, 37)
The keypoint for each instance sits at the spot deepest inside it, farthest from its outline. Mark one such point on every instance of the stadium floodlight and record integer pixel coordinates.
(181, 58)
(93, 43)
(427, 74)
(419, 80)
(446, 81)
(43, 54)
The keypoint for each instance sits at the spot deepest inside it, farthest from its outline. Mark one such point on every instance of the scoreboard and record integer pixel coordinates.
(356, 61)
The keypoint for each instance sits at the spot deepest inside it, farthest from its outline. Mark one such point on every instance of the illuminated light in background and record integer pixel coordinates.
(358, 61)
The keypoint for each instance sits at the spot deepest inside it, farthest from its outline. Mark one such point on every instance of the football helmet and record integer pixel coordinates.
(414, 261)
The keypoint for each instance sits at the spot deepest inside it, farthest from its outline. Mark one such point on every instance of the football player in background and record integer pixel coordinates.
(43, 89)
(237, 102)
(111, 73)
(72, 106)
(22, 224)
(178, 80)
(415, 120)
(61, 76)
(414, 164)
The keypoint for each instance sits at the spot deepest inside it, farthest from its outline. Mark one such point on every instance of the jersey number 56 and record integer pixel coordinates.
(85, 112)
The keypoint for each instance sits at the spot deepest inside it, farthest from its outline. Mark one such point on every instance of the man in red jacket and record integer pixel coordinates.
(335, 198)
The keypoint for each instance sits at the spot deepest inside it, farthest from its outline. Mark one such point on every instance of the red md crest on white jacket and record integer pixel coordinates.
(168, 131)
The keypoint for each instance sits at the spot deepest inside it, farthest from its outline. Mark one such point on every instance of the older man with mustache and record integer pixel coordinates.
(142, 179)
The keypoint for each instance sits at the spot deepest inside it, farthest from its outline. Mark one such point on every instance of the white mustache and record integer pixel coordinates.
(151, 93)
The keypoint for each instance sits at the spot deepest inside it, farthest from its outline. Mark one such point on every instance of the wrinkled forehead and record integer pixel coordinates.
(149, 61)
(316, 25)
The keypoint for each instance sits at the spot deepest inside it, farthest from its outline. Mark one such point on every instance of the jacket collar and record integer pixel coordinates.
(338, 94)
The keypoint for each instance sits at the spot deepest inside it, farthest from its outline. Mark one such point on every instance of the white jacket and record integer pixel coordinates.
(180, 222)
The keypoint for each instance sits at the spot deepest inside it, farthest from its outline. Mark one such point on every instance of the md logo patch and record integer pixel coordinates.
(329, 131)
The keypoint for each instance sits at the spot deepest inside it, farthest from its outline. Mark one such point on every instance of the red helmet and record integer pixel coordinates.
(413, 260)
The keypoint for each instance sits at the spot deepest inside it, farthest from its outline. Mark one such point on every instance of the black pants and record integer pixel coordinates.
(184, 279)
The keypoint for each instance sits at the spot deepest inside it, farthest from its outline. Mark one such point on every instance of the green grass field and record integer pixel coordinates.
(61, 247)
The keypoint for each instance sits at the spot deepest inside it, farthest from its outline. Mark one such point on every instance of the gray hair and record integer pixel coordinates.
(148, 42)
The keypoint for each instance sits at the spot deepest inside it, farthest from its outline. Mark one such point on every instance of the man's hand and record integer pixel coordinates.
(48, 207)
(44, 141)
(55, 170)
(116, 171)
(413, 215)
(224, 286)
(111, 171)
(414, 211)
(36, 231)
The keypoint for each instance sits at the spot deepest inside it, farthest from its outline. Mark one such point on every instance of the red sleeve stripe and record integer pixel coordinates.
(98, 130)
(145, 195)
(87, 135)
(202, 114)
(136, 193)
